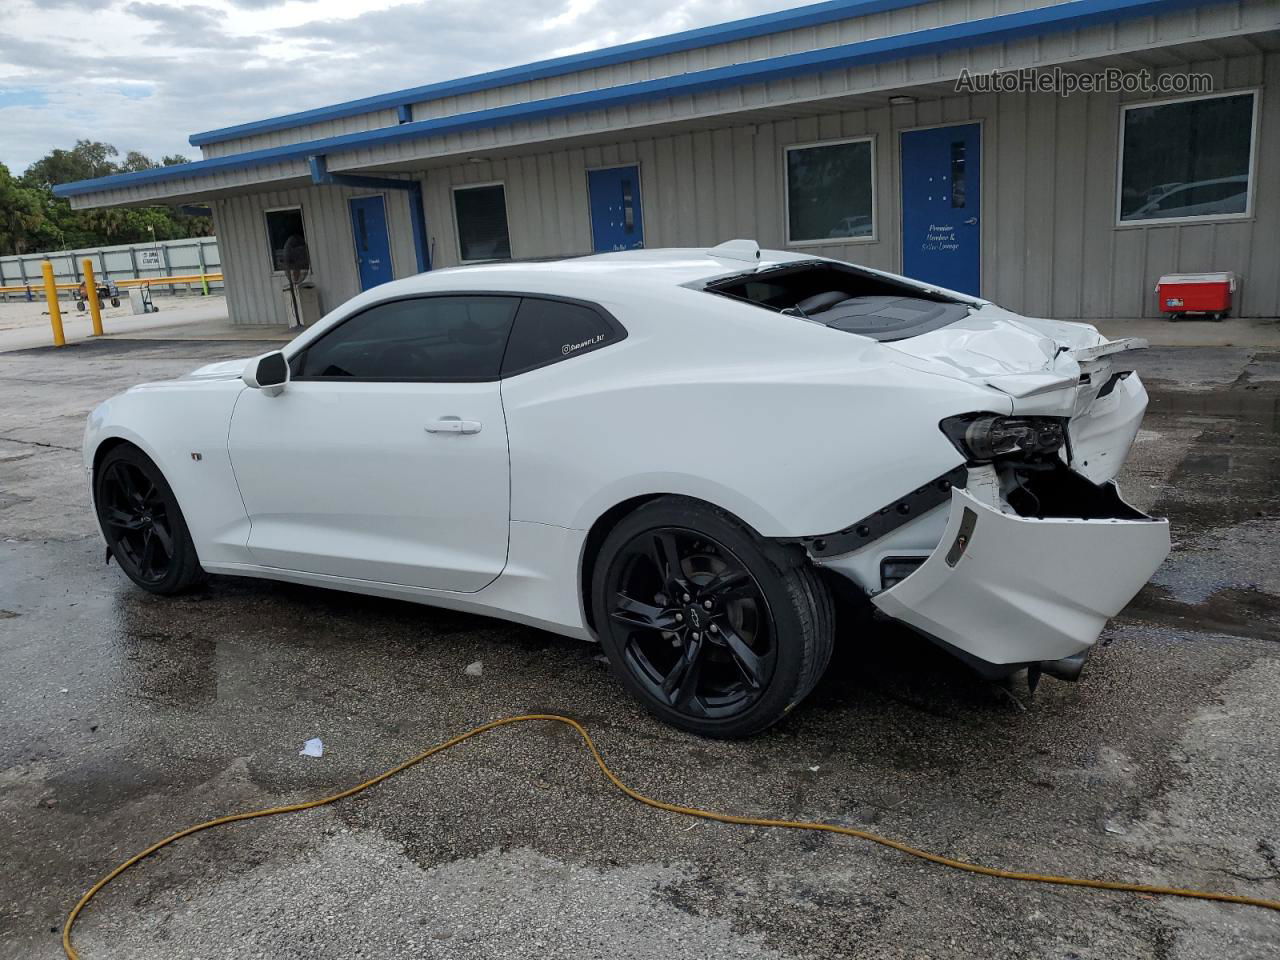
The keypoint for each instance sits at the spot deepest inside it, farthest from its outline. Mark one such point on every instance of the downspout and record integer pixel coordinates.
(321, 176)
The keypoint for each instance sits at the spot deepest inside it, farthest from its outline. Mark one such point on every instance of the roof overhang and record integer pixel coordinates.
(812, 15)
(428, 143)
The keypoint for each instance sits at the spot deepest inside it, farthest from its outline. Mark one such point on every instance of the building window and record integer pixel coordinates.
(481, 214)
(830, 192)
(287, 241)
(1187, 158)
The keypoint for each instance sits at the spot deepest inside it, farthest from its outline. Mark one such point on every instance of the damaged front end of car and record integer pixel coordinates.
(1017, 558)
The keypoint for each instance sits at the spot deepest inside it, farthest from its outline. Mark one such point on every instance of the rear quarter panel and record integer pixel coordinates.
(794, 428)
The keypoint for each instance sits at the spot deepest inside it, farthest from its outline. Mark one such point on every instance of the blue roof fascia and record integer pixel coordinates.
(1013, 26)
(808, 16)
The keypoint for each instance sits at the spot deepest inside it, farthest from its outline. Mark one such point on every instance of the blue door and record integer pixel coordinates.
(616, 220)
(373, 250)
(942, 206)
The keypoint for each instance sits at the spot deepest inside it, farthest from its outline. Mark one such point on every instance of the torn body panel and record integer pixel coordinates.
(1011, 589)
(1030, 555)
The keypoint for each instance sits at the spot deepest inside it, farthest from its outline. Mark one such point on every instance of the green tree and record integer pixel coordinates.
(32, 219)
(23, 219)
(86, 160)
(135, 161)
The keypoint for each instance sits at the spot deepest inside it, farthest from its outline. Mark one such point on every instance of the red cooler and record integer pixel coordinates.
(1199, 293)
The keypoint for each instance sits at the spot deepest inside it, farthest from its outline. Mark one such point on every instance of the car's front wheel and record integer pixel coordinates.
(142, 524)
(716, 630)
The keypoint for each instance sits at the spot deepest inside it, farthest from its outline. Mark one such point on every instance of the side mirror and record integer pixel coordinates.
(268, 373)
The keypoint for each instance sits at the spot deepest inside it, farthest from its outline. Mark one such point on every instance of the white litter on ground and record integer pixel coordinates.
(312, 748)
(474, 669)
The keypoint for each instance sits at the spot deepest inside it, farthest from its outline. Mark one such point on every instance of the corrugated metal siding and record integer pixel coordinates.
(253, 292)
(1050, 244)
(807, 93)
(278, 138)
(936, 14)
(189, 187)
(1139, 41)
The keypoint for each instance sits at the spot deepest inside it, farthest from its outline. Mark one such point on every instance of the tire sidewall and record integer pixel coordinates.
(766, 562)
(183, 558)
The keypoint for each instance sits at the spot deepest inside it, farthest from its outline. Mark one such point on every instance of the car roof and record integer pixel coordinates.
(593, 276)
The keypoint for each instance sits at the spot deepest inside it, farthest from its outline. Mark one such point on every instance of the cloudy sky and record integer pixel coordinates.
(143, 74)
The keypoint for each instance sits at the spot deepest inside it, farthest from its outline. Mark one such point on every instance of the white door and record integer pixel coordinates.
(385, 457)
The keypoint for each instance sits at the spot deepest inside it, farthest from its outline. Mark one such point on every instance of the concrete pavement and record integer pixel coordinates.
(125, 716)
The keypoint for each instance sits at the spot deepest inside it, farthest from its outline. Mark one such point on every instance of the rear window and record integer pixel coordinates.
(845, 298)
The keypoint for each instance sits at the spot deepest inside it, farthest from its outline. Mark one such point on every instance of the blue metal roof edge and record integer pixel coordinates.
(1006, 27)
(807, 16)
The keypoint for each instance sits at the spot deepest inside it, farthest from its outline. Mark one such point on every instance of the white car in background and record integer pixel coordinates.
(676, 452)
(1201, 198)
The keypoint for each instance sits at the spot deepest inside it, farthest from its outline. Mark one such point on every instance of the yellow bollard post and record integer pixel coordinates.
(91, 293)
(51, 297)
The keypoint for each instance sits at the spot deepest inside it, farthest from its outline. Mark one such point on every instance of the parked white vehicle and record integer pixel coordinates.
(676, 452)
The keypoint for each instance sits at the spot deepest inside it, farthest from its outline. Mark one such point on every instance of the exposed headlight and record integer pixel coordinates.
(987, 436)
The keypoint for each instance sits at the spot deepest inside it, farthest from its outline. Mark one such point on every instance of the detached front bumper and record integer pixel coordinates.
(1008, 589)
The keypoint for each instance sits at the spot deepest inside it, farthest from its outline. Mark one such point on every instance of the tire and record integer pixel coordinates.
(142, 523)
(80, 305)
(726, 670)
(115, 301)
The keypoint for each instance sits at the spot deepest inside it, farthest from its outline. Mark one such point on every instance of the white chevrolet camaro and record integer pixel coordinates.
(680, 453)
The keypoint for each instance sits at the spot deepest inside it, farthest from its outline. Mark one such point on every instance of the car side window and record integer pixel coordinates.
(423, 338)
(549, 330)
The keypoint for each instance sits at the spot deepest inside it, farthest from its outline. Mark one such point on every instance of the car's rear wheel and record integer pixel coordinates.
(716, 630)
(142, 524)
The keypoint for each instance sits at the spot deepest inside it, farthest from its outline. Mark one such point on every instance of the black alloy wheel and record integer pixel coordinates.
(143, 526)
(698, 630)
(714, 629)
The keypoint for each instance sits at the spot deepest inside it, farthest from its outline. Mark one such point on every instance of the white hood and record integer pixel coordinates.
(222, 370)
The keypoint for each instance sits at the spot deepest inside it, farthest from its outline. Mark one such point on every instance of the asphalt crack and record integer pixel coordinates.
(37, 443)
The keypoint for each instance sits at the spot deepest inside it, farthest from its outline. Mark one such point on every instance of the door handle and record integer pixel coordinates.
(454, 425)
(971, 221)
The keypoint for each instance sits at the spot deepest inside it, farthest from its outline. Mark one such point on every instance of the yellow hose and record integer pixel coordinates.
(670, 808)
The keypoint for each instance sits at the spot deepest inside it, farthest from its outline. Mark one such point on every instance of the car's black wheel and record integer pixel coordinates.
(141, 521)
(716, 630)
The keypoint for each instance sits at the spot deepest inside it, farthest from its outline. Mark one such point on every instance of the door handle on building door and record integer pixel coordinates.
(454, 425)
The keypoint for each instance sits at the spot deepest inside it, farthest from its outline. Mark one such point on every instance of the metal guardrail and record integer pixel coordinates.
(201, 278)
(193, 256)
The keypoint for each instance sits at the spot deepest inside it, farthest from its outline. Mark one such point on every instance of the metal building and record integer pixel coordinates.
(867, 130)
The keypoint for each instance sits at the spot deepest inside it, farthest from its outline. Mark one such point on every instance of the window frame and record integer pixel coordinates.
(457, 231)
(520, 297)
(874, 237)
(266, 229)
(612, 322)
(1247, 214)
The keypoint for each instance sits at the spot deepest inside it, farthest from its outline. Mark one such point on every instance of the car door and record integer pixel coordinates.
(385, 457)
